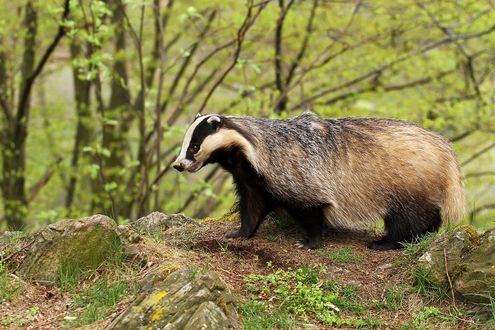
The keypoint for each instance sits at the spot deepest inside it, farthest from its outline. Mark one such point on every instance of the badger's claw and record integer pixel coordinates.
(236, 234)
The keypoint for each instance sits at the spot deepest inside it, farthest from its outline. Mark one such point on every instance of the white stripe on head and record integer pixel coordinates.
(189, 134)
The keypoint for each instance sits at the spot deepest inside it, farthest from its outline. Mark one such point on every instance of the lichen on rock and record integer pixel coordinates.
(186, 299)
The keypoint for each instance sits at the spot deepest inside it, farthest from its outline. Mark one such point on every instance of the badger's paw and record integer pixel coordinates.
(309, 243)
(384, 244)
(236, 234)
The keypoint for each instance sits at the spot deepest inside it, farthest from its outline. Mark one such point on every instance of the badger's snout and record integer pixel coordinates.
(178, 166)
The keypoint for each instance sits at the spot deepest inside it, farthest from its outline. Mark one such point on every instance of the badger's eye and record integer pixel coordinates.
(194, 147)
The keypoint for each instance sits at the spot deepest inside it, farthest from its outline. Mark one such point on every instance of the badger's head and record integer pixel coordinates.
(207, 135)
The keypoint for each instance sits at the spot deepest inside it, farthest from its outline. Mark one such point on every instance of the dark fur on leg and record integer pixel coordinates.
(312, 222)
(407, 223)
(253, 208)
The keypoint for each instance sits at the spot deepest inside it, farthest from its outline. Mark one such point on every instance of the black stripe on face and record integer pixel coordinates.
(200, 133)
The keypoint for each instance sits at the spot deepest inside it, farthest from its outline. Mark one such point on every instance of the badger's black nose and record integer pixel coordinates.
(179, 167)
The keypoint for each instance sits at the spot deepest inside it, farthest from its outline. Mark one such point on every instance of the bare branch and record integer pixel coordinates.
(478, 174)
(43, 181)
(478, 154)
(375, 85)
(248, 22)
(187, 60)
(480, 209)
(373, 73)
(304, 44)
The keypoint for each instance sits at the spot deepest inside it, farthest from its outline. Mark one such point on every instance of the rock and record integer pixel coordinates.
(83, 243)
(470, 263)
(185, 299)
(158, 221)
(477, 282)
(457, 244)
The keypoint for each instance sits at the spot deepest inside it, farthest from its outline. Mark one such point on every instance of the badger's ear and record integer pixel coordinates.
(214, 121)
(198, 115)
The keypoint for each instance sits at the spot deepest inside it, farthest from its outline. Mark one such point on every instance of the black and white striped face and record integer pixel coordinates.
(199, 142)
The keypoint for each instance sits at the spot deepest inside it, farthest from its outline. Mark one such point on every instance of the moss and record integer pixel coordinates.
(227, 217)
(85, 243)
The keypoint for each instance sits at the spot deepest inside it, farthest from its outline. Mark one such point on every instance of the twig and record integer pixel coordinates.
(10, 256)
(448, 278)
(248, 22)
(478, 154)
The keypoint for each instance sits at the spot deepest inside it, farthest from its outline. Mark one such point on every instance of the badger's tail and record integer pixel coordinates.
(454, 203)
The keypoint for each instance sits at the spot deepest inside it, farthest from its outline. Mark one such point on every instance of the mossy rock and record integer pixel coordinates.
(470, 262)
(185, 299)
(157, 221)
(83, 243)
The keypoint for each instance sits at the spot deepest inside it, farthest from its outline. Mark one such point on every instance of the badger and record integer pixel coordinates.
(342, 173)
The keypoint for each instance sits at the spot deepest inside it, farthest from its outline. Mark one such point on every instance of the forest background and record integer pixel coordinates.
(95, 96)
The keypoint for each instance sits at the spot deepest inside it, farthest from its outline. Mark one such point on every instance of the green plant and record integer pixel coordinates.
(8, 290)
(68, 274)
(342, 255)
(98, 298)
(414, 250)
(303, 294)
(255, 315)
(116, 256)
(393, 298)
(423, 282)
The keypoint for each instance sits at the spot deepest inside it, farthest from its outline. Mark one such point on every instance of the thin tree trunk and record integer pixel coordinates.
(115, 118)
(84, 129)
(14, 152)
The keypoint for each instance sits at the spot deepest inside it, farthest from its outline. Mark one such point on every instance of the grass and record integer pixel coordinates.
(8, 290)
(345, 255)
(423, 283)
(393, 298)
(99, 298)
(257, 316)
(68, 274)
(412, 251)
(287, 299)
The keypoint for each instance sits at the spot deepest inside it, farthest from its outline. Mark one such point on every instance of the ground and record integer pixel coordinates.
(373, 289)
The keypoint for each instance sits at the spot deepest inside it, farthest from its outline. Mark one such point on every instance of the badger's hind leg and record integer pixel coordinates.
(312, 222)
(406, 222)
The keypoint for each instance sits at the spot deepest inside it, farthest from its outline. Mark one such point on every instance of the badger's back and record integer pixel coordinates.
(357, 167)
(393, 162)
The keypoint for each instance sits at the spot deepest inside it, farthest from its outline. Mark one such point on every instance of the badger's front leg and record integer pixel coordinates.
(253, 208)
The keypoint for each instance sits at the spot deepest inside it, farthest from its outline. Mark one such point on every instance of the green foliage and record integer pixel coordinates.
(256, 316)
(393, 299)
(342, 255)
(8, 289)
(69, 274)
(386, 59)
(424, 284)
(303, 294)
(98, 299)
(412, 251)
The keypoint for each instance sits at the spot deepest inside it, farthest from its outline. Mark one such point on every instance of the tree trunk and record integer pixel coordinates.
(14, 152)
(116, 117)
(84, 129)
